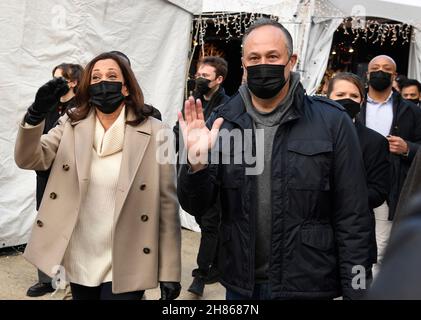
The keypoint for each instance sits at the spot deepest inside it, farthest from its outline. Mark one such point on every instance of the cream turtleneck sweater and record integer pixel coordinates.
(88, 258)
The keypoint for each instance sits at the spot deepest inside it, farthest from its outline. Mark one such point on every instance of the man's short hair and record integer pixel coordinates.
(269, 22)
(410, 83)
(220, 65)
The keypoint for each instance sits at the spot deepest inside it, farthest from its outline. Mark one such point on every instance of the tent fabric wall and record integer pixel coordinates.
(317, 56)
(414, 68)
(37, 35)
(407, 11)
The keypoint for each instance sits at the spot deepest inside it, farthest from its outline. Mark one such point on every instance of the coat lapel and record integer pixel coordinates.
(84, 135)
(136, 140)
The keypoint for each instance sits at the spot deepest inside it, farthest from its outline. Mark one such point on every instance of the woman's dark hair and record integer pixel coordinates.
(350, 77)
(71, 72)
(134, 101)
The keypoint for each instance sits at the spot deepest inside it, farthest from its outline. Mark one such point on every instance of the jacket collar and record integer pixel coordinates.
(235, 111)
(399, 108)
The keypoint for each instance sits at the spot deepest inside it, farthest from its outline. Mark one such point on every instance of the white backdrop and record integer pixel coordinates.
(39, 34)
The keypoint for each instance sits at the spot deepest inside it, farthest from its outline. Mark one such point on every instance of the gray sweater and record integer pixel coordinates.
(269, 122)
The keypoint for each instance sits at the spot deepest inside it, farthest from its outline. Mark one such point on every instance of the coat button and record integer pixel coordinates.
(66, 167)
(53, 195)
(142, 186)
(40, 223)
(146, 250)
(144, 218)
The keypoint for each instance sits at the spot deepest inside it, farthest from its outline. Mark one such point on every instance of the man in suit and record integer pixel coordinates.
(400, 122)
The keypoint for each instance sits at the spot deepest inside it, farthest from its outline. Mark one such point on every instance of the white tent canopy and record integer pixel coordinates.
(312, 24)
(327, 15)
(407, 11)
(38, 35)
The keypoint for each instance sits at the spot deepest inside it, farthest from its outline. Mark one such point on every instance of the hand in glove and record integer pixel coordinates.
(45, 99)
(170, 290)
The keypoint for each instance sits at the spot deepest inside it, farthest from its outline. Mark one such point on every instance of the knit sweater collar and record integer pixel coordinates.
(111, 141)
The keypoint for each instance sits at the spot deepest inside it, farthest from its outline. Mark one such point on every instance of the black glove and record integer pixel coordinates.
(169, 290)
(46, 99)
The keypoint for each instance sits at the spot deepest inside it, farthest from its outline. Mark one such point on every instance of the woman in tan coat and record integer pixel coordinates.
(108, 221)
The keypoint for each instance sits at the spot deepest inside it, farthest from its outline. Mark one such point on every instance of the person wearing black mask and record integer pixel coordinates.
(411, 91)
(347, 90)
(294, 210)
(109, 215)
(66, 78)
(156, 113)
(399, 121)
(210, 75)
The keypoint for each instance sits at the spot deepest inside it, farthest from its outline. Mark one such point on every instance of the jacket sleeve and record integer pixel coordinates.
(415, 143)
(197, 191)
(411, 187)
(37, 151)
(352, 221)
(378, 175)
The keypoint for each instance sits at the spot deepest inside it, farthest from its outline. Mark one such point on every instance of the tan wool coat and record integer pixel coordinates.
(146, 231)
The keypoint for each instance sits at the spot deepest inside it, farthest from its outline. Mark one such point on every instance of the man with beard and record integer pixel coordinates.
(411, 90)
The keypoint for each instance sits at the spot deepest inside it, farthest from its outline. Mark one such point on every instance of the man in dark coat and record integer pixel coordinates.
(400, 122)
(410, 189)
(399, 277)
(211, 73)
(290, 177)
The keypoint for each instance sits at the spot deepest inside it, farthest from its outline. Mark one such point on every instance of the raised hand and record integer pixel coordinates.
(46, 99)
(49, 94)
(198, 139)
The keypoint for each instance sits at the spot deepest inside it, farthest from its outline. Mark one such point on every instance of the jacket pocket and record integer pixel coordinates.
(312, 265)
(318, 237)
(309, 163)
(232, 176)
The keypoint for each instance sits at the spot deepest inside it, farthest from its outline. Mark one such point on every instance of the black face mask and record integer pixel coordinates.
(351, 107)
(266, 80)
(380, 80)
(416, 101)
(202, 86)
(106, 95)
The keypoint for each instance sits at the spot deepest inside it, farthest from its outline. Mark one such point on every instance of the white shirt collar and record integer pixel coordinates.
(370, 100)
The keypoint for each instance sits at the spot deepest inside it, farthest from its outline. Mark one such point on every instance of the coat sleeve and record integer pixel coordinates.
(378, 174)
(169, 268)
(411, 187)
(415, 143)
(352, 221)
(37, 151)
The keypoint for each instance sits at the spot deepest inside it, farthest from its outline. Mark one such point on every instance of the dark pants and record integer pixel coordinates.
(43, 278)
(207, 255)
(261, 291)
(102, 292)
